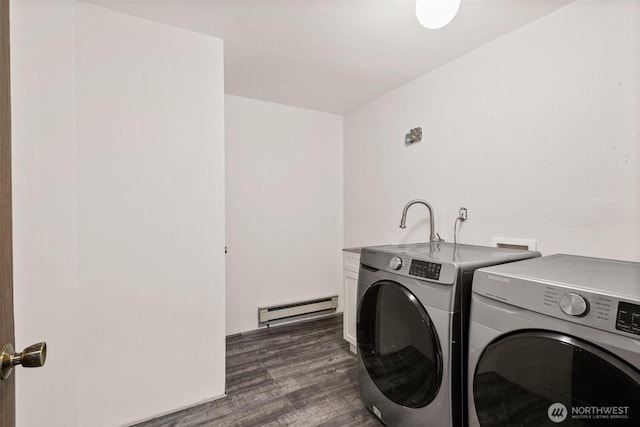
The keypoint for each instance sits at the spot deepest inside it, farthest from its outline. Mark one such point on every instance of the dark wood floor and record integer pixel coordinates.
(295, 375)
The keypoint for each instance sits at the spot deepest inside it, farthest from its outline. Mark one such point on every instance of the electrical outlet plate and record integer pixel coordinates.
(508, 242)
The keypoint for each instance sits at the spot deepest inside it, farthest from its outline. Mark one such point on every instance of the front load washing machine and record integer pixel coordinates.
(555, 341)
(412, 326)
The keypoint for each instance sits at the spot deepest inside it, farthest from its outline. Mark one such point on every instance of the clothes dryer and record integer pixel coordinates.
(412, 326)
(555, 341)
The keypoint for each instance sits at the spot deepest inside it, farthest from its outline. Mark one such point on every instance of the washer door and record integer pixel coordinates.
(539, 378)
(398, 345)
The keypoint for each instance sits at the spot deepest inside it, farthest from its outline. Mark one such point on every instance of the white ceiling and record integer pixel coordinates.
(333, 55)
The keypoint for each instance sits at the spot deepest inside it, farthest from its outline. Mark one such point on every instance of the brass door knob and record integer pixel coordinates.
(33, 356)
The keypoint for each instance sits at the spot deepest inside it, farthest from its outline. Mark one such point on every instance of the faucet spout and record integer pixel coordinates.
(403, 220)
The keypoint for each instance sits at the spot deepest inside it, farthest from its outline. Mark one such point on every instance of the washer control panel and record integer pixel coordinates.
(425, 269)
(628, 319)
(404, 265)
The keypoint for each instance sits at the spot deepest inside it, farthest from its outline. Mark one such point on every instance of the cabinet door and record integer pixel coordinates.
(351, 261)
(350, 307)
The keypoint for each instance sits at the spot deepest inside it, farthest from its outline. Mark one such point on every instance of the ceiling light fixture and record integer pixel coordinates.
(435, 14)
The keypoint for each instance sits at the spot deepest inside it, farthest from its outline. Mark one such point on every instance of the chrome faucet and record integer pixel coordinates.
(432, 235)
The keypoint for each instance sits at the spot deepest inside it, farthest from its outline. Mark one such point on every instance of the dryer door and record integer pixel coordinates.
(539, 378)
(398, 345)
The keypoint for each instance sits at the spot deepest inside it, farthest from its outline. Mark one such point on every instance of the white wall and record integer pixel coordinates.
(284, 206)
(151, 216)
(536, 133)
(44, 210)
(119, 189)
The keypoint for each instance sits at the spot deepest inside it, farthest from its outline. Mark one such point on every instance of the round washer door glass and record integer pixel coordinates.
(398, 345)
(539, 378)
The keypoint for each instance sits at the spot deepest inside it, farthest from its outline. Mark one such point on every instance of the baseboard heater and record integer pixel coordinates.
(296, 310)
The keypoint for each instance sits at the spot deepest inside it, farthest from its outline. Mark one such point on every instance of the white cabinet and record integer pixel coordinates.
(351, 264)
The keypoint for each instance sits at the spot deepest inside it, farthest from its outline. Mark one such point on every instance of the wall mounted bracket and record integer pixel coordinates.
(414, 135)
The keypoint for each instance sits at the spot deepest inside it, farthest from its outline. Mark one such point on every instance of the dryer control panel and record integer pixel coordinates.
(593, 292)
(628, 319)
(604, 312)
